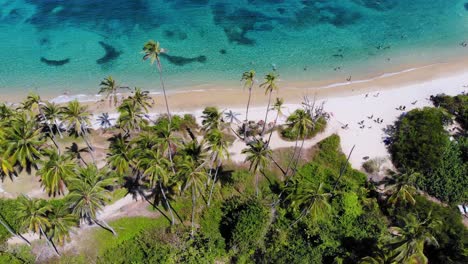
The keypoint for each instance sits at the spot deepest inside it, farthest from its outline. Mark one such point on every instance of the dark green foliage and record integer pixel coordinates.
(209, 226)
(455, 105)
(451, 234)
(244, 224)
(288, 133)
(151, 246)
(17, 255)
(8, 213)
(350, 228)
(448, 182)
(418, 140)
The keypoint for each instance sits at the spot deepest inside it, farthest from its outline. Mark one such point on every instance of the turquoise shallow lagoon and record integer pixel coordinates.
(53, 46)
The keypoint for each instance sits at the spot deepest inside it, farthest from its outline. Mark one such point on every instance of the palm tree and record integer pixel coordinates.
(306, 196)
(105, 121)
(211, 118)
(219, 150)
(278, 105)
(249, 79)
(110, 88)
(141, 99)
(300, 123)
(33, 103)
(152, 50)
(406, 244)
(32, 213)
(6, 167)
(131, 116)
(53, 115)
(155, 166)
(23, 142)
(258, 154)
(77, 119)
(120, 155)
(193, 177)
(270, 85)
(167, 141)
(61, 221)
(195, 150)
(56, 172)
(88, 195)
(402, 188)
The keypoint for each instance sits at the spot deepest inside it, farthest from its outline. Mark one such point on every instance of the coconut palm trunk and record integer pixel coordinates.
(194, 201)
(298, 156)
(167, 203)
(266, 114)
(12, 232)
(273, 129)
(164, 90)
(104, 225)
(58, 128)
(49, 242)
(52, 135)
(213, 184)
(294, 154)
(248, 103)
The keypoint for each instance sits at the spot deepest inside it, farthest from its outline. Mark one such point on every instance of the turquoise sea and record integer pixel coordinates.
(53, 46)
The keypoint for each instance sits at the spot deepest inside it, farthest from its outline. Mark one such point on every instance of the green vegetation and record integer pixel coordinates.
(418, 140)
(419, 143)
(456, 105)
(278, 206)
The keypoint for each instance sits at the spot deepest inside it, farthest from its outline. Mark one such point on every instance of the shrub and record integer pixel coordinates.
(455, 105)
(449, 180)
(244, 224)
(8, 209)
(418, 140)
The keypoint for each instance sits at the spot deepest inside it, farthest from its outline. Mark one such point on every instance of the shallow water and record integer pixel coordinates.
(53, 46)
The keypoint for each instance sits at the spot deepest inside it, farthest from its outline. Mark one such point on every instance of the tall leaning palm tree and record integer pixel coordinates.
(152, 51)
(258, 155)
(219, 149)
(270, 85)
(33, 214)
(88, 195)
(406, 244)
(156, 168)
(193, 177)
(278, 106)
(61, 222)
(301, 124)
(248, 78)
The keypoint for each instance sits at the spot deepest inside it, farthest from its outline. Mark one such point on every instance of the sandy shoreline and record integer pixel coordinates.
(224, 95)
